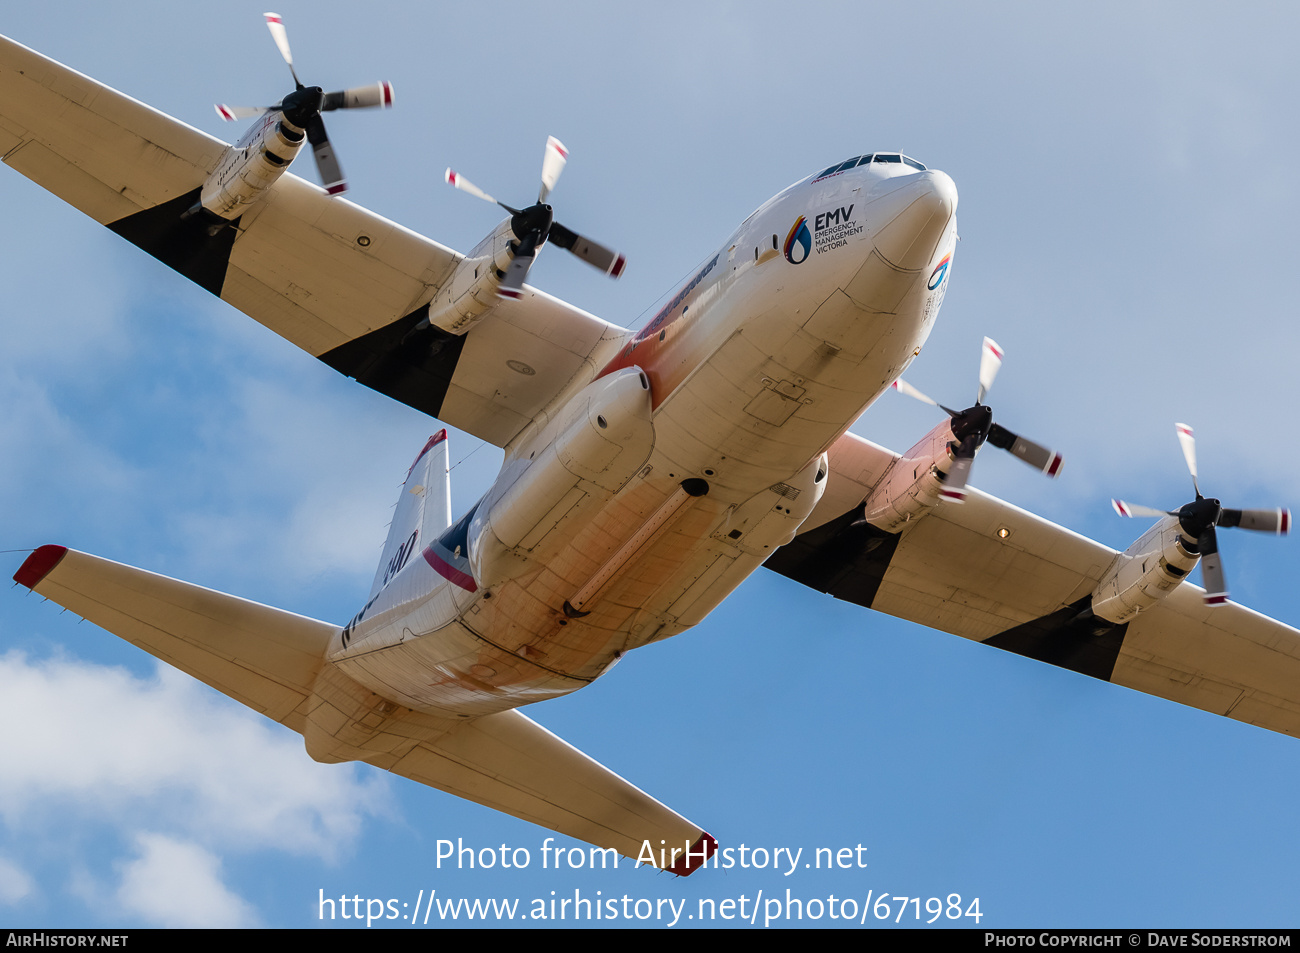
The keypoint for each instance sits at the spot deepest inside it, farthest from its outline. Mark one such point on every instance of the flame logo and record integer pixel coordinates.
(799, 238)
(940, 272)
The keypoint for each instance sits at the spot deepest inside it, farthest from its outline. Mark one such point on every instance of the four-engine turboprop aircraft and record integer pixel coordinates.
(646, 473)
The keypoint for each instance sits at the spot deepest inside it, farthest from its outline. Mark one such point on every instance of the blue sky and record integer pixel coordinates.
(1127, 220)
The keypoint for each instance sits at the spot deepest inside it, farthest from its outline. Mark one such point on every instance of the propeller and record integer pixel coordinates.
(974, 425)
(303, 108)
(536, 225)
(1199, 518)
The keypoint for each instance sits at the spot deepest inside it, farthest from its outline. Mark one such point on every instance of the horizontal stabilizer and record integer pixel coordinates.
(508, 762)
(265, 658)
(270, 660)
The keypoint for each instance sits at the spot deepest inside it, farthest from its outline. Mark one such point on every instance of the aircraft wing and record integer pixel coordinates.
(951, 570)
(344, 284)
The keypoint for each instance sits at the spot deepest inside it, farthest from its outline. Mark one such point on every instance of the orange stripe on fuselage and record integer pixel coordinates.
(652, 349)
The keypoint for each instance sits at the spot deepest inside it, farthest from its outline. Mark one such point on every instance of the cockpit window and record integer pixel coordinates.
(868, 158)
(838, 167)
(892, 157)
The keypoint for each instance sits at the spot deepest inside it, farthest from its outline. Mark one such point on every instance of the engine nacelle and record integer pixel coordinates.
(910, 488)
(1145, 573)
(472, 289)
(251, 166)
(603, 437)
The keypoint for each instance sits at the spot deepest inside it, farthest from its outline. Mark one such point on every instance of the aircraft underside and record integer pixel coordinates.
(633, 528)
(647, 473)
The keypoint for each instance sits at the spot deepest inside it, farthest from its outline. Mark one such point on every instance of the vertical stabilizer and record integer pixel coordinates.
(423, 510)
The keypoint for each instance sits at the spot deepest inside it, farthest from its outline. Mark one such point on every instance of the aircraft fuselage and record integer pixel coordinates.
(629, 512)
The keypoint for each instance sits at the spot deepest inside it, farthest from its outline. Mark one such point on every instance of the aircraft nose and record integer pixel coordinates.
(912, 219)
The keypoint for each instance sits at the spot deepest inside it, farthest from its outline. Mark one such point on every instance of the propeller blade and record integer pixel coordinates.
(513, 283)
(231, 113)
(1188, 442)
(458, 181)
(607, 260)
(1216, 586)
(327, 164)
(552, 165)
(1135, 509)
(1202, 515)
(990, 361)
(1263, 521)
(275, 24)
(1036, 455)
(954, 484)
(360, 97)
(903, 387)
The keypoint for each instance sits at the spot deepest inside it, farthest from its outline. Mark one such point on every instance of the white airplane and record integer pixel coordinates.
(646, 474)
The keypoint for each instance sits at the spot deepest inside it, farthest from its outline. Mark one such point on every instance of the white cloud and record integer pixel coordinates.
(99, 743)
(15, 884)
(174, 883)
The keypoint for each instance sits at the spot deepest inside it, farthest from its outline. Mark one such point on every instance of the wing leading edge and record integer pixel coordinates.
(344, 284)
(273, 662)
(991, 572)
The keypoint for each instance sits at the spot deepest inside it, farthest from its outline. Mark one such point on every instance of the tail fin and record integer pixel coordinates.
(423, 510)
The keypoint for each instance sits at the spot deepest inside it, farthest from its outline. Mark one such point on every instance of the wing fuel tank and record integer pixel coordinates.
(603, 439)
